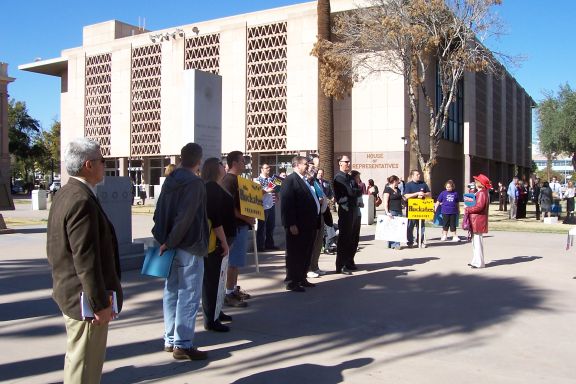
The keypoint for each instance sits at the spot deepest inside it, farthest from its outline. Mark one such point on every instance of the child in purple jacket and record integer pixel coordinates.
(448, 202)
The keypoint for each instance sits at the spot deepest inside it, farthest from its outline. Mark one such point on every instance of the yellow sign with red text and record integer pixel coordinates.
(421, 209)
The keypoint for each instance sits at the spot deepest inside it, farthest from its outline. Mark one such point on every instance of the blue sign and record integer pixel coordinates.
(469, 199)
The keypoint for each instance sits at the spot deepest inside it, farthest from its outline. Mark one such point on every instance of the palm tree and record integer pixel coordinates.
(325, 121)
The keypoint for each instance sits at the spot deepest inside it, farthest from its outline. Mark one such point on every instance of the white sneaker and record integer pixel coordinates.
(320, 272)
(312, 274)
(423, 245)
(443, 238)
(455, 239)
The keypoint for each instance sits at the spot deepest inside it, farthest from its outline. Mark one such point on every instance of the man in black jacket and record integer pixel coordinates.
(346, 193)
(300, 218)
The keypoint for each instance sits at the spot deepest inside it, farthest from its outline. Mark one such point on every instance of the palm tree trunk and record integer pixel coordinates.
(325, 118)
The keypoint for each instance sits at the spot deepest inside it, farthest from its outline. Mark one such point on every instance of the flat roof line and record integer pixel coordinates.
(52, 67)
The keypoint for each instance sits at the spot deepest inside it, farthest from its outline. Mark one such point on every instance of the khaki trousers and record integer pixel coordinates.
(85, 351)
(318, 242)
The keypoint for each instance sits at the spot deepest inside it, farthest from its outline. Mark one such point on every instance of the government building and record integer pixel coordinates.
(128, 88)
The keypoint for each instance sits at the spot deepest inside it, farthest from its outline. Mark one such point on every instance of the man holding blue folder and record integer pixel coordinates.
(180, 224)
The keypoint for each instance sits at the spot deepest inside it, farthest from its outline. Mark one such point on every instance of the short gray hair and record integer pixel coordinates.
(78, 152)
(297, 160)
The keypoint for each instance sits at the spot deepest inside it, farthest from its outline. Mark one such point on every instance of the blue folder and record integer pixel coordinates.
(158, 265)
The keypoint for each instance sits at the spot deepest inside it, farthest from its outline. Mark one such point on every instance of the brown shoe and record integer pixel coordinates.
(168, 348)
(242, 294)
(232, 300)
(189, 354)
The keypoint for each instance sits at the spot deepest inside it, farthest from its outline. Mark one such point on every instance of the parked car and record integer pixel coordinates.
(54, 186)
(17, 189)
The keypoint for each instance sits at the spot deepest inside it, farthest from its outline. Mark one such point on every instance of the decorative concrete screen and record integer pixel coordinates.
(98, 100)
(266, 88)
(203, 53)
(146, 85)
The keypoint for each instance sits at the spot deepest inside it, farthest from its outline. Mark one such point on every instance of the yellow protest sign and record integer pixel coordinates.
(250, 194)
(421, 209)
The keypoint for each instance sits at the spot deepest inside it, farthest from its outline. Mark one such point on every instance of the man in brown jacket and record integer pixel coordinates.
(83, 252)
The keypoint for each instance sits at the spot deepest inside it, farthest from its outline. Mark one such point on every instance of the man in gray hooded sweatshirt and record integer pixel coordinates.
(180, 224)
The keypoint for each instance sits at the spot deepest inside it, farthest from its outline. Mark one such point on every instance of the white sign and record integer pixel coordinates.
(221, 287)
(391, 228)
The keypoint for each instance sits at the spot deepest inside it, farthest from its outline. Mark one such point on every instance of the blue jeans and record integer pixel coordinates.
(413, 224)
(182, 293)
(392, 244)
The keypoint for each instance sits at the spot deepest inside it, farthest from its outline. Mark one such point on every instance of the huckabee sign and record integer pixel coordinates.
(421, 209)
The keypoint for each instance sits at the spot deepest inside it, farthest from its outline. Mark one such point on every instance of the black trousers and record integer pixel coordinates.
(503, 203)
(449, 221)
(355, 239)
(265, 231)
(298, 253)
(212, 265)
(348, 222)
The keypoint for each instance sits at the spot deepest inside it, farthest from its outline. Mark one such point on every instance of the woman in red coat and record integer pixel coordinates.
(479, 219)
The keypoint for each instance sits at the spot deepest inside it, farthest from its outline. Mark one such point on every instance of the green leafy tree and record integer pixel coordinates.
(49, 141)
(557, 124)
(23, 146)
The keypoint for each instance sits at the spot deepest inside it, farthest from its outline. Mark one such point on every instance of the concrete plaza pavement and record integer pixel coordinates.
(409, 316)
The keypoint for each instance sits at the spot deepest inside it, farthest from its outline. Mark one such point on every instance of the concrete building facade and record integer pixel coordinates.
(124, 87)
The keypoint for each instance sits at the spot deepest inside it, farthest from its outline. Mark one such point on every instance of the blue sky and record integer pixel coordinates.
(540, 31)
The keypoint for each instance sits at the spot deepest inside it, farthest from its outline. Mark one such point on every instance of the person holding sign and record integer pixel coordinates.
(393, 204)
(416, 189)
(234, 295)
(220, 212)
(265, 231)
(300, 210)
(479, 219)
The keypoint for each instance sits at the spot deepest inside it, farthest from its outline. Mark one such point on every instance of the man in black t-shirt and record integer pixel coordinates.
(415, 189)
(234, 295)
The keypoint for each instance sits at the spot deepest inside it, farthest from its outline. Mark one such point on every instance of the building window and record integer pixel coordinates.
(454, 130)
(98, 100)
(203, 53)
(145, 103)
(266, 93)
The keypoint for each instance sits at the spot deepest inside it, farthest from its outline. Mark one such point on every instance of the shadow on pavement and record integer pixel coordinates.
(367, 310)
(28, 230)
(513, 260)
(303, 373)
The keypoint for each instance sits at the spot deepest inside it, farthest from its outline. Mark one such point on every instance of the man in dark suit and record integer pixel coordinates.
(83, 252)
(300, 218)
(346, 193)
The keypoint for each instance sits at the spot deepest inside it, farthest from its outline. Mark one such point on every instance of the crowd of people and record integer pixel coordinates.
(546, 196)
(198, 217)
